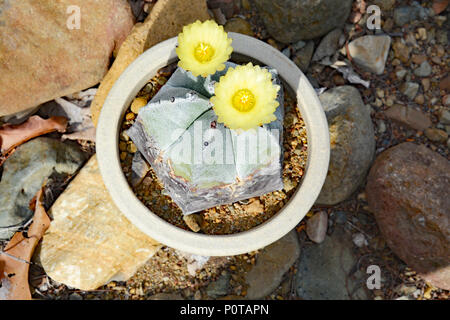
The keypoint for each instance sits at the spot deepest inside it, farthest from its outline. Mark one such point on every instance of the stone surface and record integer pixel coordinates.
(272, 263)
(444, 116)
(303, 56)
(436, 135)
(410, 89)
(292, 20)
(219, 287)
(409, 116)
(239, 25)
(424, 70)
(406, 14)
(71, 59)
(90, 242)
(328, 45)
(408, 192)
(370, 52)
(401, 51)
(173, 15)
(316, 227)
(24, 173)
(324, 270)
(352, 143)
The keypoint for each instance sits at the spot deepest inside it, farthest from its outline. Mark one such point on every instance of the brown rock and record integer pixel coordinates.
(90, 242)
(401, 51)
(408, 192)
(445, 84)
(426, 83)
(436, 135)
(166, 20)
(42, 59)
(239, 25)
(410, 117)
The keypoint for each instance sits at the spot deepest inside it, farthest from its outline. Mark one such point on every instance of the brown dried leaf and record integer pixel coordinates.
(13, 135)
(440, 5)
(14, 260)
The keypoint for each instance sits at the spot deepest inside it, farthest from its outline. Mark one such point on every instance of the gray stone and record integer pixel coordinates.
(424, 70)
(352, 142)
(24, 173)
(406, 14)
(219, 287)
(328, 45)
(324, 270)
(293, 20)
(370, 52)
(444, 116)
(75, 296)
(303, 56)
(139, 168)
(410, 89)
(272, 263)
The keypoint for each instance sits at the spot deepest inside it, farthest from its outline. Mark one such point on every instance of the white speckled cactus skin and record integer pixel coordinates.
(170, 119)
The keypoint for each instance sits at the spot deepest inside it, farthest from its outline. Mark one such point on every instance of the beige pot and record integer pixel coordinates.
(124, 91)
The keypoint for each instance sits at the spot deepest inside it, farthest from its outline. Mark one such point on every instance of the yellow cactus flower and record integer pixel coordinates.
(245, 97)
(203, 48)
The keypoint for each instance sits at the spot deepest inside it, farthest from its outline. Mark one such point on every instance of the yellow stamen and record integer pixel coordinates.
(203, 52)
(243, 100)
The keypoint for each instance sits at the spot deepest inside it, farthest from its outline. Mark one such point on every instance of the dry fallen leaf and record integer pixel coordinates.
(14, 259)
(13, 135)
(440, 5)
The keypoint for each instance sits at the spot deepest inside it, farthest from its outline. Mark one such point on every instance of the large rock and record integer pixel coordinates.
(272, 263)
(166, 20)
(292, 20)
(408, 191)
(24, 173)
(352, 143)
(324, 270)
(43, 59)
(90, 242)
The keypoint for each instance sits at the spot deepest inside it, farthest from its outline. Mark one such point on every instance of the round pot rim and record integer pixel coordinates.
(124, 91)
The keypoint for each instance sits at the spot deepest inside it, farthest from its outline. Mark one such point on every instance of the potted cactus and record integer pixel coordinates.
(213, 134)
